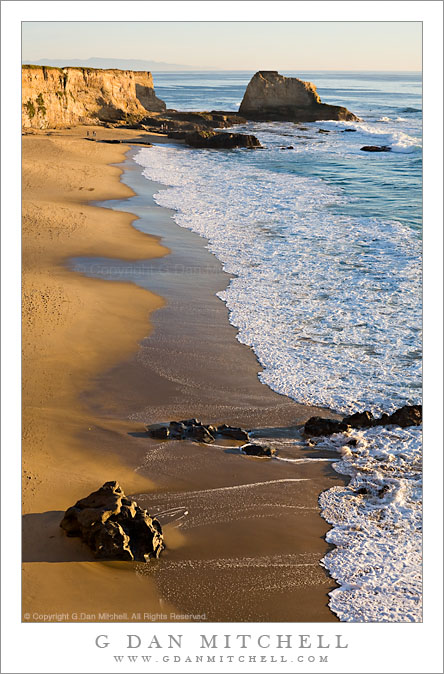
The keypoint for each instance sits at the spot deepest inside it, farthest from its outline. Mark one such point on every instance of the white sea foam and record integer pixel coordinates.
(330, 305)
(327, 302)
(377, 528)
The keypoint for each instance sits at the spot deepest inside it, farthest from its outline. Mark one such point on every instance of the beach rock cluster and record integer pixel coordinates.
(113, 526)
(271, 96)
(193, 429)
(221, 141)
(409, 415)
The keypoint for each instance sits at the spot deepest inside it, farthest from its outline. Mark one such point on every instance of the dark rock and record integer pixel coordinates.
(348, 130)
(257, 450)
(360, 420)
(232, 432)
(113, 526)
(323, 131)
(158, 431)
(191, 422)
(376, 148)
(303, 128)
(200, 434)
(352, 442)
(221, 141)
(321, 426)
(177, 429)
(409, 415)
(362, 491)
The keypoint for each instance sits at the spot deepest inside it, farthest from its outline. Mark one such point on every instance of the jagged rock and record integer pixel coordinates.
(376, 148)
(323, 131)
(321, 426)
(158, 431)
(221, 141)
(360, 420)
(348, 130)
(232, 432)
(257, 450)
(409, 415)
(113, 526)
(200, 434)
(177, 429)
(270, 96)
(191, 422)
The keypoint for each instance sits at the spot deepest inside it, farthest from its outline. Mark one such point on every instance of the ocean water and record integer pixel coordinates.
(324, 245)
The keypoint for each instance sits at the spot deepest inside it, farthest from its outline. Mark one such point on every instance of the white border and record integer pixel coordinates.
(70, 648)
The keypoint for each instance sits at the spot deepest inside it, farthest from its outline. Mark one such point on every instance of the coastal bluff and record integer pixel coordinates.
(60, 97)
(271, 96)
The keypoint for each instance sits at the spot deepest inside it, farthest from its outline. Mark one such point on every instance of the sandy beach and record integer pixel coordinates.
(244, 536)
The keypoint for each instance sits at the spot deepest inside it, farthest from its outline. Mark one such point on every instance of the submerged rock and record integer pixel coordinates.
(409, 415)
(321, 426)
(113, 526)
(232, 432)
(221, 141)
(360, 420)
(258, 450)
(376, 148)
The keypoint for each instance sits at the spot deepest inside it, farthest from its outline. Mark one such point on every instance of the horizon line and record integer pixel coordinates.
(235, 70)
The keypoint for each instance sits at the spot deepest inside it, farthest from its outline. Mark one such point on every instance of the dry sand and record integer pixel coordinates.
(250, 545)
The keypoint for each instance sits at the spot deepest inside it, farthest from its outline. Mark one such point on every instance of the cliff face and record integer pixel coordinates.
(56, 97)
(272, 96)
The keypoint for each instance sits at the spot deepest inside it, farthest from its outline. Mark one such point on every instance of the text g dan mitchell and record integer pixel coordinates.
(225, 641)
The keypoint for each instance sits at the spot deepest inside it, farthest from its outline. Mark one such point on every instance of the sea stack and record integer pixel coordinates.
(270, 96)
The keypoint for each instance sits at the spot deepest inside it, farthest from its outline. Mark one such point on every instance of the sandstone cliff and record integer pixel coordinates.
(59, 97)
(272, 96)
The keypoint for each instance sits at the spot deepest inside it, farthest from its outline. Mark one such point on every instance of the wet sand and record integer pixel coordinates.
(244, 535)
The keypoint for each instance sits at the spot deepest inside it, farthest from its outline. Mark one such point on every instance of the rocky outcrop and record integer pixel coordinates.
(145, 93)
(270, 96)
(258, 450)
(113, 526)
(193, 429)
(60, 97)
(221, 141)
(376, 148)
(409, 415)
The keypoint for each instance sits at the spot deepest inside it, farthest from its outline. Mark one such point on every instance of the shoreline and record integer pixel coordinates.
(178, 471)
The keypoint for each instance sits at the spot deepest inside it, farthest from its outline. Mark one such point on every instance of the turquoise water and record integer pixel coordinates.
(385, 186)
(323, 242)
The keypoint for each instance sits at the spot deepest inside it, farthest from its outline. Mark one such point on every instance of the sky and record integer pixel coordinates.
(233, 45)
